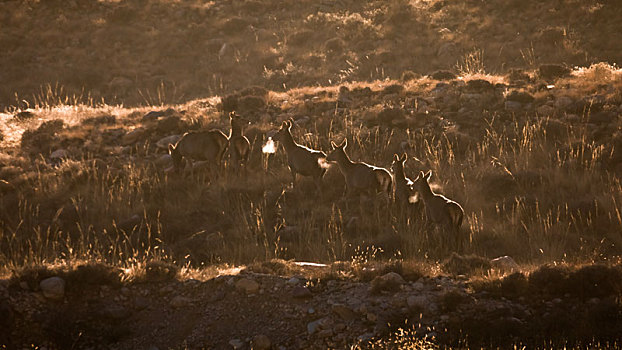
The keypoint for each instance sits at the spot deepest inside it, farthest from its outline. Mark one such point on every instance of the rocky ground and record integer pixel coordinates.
(152, 52)
(241, 309)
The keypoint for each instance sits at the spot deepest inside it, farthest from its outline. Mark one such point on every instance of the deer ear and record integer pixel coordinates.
(171, 148)
(403, 159)
(284, 124)
(344, 144)
(333, 144)
(428, 175)
(421, 175)
(396, 158)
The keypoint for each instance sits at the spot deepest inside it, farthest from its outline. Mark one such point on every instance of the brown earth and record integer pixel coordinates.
(311, 307)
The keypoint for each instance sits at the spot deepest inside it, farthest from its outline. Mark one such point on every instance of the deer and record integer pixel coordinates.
(360, 177)
(439, 209)
(300, 159)
(199, 145)
(239, 147)
(404, 192)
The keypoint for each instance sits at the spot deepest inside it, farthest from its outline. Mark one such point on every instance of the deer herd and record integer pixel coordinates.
(360, 178)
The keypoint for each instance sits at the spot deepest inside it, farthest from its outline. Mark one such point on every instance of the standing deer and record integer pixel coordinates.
(360, 177)
(404, 192)
(301, 160)
(239, 147)
(199, 145)
(438, 208)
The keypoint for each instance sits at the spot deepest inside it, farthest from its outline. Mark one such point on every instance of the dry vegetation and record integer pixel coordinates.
(532, 152)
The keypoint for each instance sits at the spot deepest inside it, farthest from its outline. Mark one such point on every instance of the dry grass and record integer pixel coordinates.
(530, 191)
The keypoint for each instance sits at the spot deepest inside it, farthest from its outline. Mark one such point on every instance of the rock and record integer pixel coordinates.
(418, 286)
(478, 85)
(447, 50)
(141, 303)
(129, 224)
(365, 337)
(390, 115)
(164, 161)
(169, 124)
(247, 286)
(563, 102)
(24, 285)
(180, 301)
(293, 281)
(504, 264)
(545, 110)
(513, 106)
(24, 115)
(53, 288)
(391, 281)
(443, 75)
(132, 136)
(344, 312)
(422, 303)
(520, 96)
(553, 71)
(261, 342)
(153, 115)
(120, 84)
(59, 154)
(300, 292)
(313, 327)
(115, 312)
(165, 141)
(236, 343)
(288, 234)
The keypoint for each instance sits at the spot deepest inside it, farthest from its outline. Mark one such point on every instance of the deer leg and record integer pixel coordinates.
(293, 177)
(318, 185)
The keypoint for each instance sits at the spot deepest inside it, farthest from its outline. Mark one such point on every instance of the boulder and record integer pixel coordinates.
(53, 288)
(247, 286)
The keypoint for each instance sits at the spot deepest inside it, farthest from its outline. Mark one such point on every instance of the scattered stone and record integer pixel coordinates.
(513, 106)
(390, 282)
(247, 286)
(313, 327)
(59, 154)
(443, 75)
(164, 161)
(478, 85)
(520, 96)
(365, 337)
(180, 301)
(504, 264)
(153, 115)
(545, 110)
(24, 285)
(53, 288)
(261, 342)
(300, 292)
(141, 303)
(24, 115)
(563, 102)
(236, 344)
(553, 71)
(344, 312)
(165, 141)
(132, 136)
(115, 312)
(169, 124)
(120, 84)
(293, 281)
